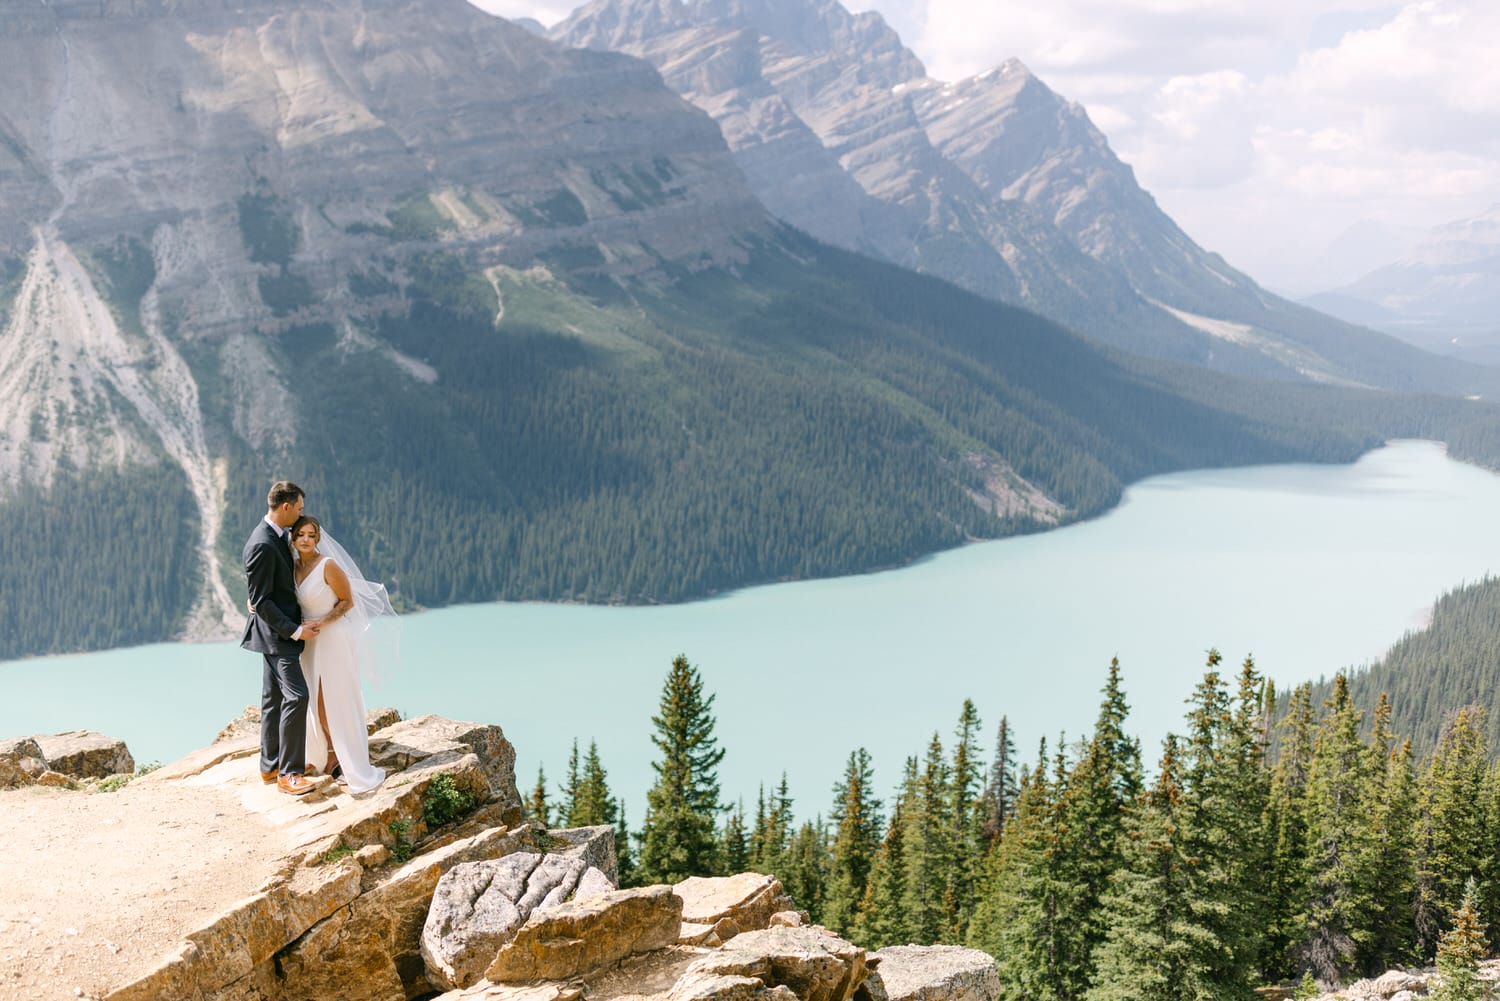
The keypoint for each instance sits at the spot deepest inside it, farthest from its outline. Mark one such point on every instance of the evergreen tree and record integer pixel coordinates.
(1160, 943)
(567, 804)
(679, 838)
(536, 805)
(856, 842)
(929, 852)
(1028, 915)
(1339, 908)
(736, 842)
(771, 839)
(806, 868)
(1389, 867)
(1210, 838)
(592, 803)
(587, 802)
(1249, 793)
(999, 800)
(1460, 951)
(883, 919)
(624, 855)
(1287, 836)
(1450, 838)
(1100, 792)
(962, 836)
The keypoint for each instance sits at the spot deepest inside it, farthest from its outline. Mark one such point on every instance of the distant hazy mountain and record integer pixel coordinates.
(1444, 293)
(512, 315)
(994, 183)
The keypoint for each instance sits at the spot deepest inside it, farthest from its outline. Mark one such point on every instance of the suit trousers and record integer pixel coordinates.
(283, 715)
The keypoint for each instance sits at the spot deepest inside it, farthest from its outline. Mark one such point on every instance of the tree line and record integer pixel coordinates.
(1259, 849)
(1429, 672)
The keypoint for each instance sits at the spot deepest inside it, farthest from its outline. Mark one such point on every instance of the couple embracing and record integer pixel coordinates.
(309, 611)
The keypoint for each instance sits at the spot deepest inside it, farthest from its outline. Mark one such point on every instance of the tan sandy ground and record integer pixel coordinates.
(96, 888)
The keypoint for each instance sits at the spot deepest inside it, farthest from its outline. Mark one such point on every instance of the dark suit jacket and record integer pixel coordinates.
(273, 592)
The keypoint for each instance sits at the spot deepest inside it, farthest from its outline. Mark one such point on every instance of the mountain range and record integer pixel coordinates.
(516, 317)
(994, 183)
(1443, 294)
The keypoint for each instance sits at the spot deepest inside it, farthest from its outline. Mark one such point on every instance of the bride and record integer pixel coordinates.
(334, 594)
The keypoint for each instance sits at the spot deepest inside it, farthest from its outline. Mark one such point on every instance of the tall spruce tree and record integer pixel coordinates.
(1389, 866)
(963, 826)
(1209, 837)
(1339, 786)
(1287, 835)
(999, 800)
(1102, 789)
(1028, 916)
(1450, 838)
(856, 841)
(883, 919)
(679, 838)
(1249, 793)
(929, 852)
(1156, 946)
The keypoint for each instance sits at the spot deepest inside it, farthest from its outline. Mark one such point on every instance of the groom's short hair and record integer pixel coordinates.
(283, 492)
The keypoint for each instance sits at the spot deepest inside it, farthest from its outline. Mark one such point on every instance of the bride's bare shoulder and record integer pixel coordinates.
(335, 576)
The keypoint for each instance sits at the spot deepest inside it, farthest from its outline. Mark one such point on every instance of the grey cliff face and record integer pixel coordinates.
(182, 181)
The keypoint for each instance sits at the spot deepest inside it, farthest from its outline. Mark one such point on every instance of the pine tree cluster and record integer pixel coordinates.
(1265, 849)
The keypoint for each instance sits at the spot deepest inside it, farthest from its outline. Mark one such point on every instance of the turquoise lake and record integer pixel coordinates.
(1308, 568)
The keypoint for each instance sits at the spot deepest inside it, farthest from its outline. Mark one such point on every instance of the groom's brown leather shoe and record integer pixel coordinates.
(294, 785)
(268, 777)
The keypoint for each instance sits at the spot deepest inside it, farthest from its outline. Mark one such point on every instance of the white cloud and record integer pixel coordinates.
(1266, 127)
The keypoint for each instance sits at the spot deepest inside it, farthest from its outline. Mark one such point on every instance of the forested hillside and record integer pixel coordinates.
(1433, 673)
(815, 413)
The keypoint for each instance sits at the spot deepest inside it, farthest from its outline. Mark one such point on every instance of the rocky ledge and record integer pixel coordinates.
(433, 885)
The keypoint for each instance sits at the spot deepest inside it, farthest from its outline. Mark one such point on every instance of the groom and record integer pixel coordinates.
(275, 630)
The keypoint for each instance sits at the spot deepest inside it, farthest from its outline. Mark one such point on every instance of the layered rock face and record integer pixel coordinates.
(994, 183)
(186, 187)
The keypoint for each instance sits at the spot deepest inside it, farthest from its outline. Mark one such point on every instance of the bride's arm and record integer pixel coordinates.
(339, 581)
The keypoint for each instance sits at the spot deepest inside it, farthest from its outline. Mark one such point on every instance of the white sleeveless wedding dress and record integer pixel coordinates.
(330, 662)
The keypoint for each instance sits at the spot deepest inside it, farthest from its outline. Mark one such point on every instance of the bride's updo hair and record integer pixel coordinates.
(307, 519)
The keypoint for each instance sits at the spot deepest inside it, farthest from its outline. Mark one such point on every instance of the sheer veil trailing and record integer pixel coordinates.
(377, 628)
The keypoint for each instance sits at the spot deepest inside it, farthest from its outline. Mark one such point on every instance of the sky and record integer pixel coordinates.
(1308, 141)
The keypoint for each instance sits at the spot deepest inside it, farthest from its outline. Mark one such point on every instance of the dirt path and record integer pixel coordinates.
(96, 888)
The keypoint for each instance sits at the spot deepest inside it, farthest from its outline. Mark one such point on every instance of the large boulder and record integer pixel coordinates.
(811, 962)
(595, 845)
(84, 754)
(479, 906)
(428, 738)
(748, 899)
(370, 950)
(21, 762)
(937, 973)
(571, 939)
